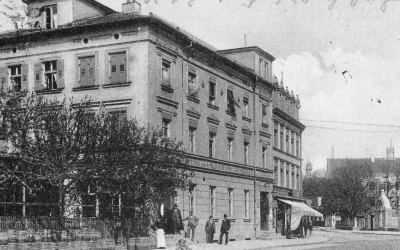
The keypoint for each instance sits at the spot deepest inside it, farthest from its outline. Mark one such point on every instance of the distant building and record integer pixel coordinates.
(386, 173)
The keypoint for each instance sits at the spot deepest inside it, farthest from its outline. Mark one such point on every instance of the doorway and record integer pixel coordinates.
(264, 211)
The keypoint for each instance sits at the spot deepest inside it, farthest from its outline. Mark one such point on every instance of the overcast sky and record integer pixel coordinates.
(341, 57)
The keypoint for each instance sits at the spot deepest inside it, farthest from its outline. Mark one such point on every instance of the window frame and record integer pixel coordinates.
(16, 76)
(212, 195)
(52, 72)
(230, 148)
(110, 54)
(211, 144)
(166, 128)
(192, 139)
(166, 82)
(192, 198)
(192, 88)
(246, 153)
(246, 203)
(95, 72)
(230, 99)
(230, 202)
(212, 83)
(246, 112)
(54, 21)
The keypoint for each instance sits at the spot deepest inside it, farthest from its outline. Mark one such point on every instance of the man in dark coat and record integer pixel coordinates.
(225, 227)
(210, 230)
(177, 220)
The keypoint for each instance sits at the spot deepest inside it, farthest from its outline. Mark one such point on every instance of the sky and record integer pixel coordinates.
(342, 57)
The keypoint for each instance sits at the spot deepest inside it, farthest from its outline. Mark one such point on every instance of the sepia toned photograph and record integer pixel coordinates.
(199, 124)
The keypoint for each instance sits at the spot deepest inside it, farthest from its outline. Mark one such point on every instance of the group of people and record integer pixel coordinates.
(177, 226)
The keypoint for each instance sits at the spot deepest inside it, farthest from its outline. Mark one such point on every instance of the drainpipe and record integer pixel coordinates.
(254, 156)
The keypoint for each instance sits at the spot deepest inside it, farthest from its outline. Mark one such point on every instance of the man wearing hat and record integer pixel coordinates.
(177, 220)
(225, 227)
(192, 224)
(210, 230)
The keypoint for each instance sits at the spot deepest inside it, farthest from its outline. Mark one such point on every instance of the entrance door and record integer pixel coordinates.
(264, 211)
(372, 222)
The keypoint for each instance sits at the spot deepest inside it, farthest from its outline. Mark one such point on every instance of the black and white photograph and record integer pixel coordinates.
(199, 124)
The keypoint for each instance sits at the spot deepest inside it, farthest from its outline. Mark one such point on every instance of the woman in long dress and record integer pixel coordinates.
(160, 236)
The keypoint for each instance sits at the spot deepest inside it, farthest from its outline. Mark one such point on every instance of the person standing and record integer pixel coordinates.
(210, 230)
(310, 228)
(192, 224)
(177, 220)
(160, 234)
(225, 227)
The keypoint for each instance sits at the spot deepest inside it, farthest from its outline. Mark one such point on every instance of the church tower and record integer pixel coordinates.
(390, 151)
(308, 169)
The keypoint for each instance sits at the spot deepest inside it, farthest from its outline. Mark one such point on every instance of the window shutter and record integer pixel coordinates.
(38, 77)
(24, 81)
(4, 79)
(60, 74)
(91, 74)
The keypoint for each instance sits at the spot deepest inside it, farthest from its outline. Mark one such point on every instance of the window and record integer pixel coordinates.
(166, 72)
(230, 149)
(86, 72)
(246, 153)
(276, 135)
(89, 201)
(120, 117)
(266, 70)
(264, 157)
(230, 101)
(116, 205)
(282, 175)
(287, 176)
(246, 203)
(298, 146)
(192, 132)
(117, 67)
(212, 200)
(211, 145)
(230, 202)
(50, 17)
(260, 66)
(264, 114)
(16, 77)
(192, 83)
(192, 205)
(166, 128)
(292, 144)
(212, 91)
(287, 141)
(276, 168)
(50, 75)
(246, 107)
(281, 138)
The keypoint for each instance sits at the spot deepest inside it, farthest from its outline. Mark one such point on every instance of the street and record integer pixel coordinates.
(350, 240)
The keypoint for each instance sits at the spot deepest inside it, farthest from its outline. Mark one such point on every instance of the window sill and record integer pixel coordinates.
(116, 85)
(228, 112)
(232, 220)
(264, 125)
(212, 106)
(193, 99)
(83, 88)
(49, 91)
(244, 118)
(246, 220)
(167, 88)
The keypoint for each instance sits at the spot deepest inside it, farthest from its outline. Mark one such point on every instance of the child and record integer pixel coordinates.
(181, 245)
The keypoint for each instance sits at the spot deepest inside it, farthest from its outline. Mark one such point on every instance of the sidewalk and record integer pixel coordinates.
(329, 229)
(258, 244)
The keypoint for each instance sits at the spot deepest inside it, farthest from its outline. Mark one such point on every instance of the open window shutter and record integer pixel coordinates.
(82, 72)
(4, 79)
(24, 82)
(60, 74)
(38, 77)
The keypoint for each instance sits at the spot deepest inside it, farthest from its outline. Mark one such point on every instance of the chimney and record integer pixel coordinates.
(131, 6)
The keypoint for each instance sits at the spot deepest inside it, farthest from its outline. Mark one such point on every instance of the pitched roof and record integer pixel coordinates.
(94, 3)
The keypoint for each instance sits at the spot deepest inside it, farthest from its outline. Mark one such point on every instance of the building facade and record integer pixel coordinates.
(223, 105)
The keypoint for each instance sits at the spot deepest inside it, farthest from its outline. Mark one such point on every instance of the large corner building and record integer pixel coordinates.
(239, 125)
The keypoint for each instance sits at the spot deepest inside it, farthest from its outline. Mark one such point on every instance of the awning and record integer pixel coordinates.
(299, 208)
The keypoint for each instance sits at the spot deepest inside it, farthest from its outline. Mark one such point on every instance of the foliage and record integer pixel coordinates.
(72, 151)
